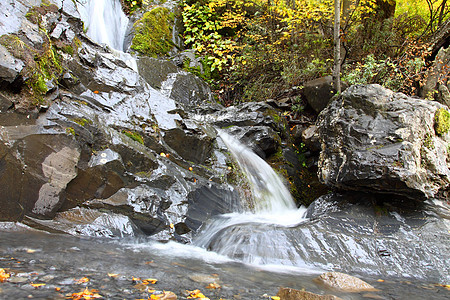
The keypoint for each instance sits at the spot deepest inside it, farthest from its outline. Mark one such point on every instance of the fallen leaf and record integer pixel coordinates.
(95, 92)
(213, 286)
(4, 275)
(135, 279)
(37, 285)
(31, 250)
(86, 294)
(149, 262)
(149, 280)
(275, 298)
(57, 289)
(167, 295)
(113, 275)
(172, 226)
(162, 154)
(191, 169)
(82, 280)
(380, 280)
(196, 294)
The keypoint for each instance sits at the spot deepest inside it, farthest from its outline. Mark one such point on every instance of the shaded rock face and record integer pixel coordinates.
(375, 140)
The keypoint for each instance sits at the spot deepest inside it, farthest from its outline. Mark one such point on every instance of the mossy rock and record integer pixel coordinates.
(442, 121)
(153, 35)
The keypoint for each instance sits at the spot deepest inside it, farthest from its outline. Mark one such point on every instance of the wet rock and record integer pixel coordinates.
(310, 136)
(292, 294)
(376, 140)
(40, 186)
(181, 86)
(5, 103)
(344, 282)
(10, 66)
(192, 147)
(318, 92)
(208, 201)
(155, 71)
(263, 140)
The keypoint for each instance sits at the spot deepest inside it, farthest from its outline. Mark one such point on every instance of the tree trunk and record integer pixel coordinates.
(337, 46)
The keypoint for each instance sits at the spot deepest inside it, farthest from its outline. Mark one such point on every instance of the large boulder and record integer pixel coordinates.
(379, 141)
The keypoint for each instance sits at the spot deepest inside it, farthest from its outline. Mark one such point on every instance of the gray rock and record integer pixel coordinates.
(10, 66)
(438, 73)
(310, 136)
(379, 141)
(318, 92)
(344, 282)
(263, 140)
(293, 294)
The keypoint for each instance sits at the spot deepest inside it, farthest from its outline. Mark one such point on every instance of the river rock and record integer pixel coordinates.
(344, 282)
(293, 294)
(375, 140)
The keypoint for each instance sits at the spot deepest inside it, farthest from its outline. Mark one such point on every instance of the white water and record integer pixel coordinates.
(274, 206)
(106, 23)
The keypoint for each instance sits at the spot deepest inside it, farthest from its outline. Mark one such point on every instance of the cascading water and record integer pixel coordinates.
(247, 236)
(106, 23)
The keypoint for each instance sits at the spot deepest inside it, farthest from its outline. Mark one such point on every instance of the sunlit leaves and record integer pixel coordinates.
(196, 294)
(4, 275)
(37, 285)
(86, 294)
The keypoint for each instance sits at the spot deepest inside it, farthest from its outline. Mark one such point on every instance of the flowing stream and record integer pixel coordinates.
(270, 244)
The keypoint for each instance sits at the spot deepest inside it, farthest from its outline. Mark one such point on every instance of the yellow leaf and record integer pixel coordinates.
(380, 280)
(149, 280)
(275, 298)
(82, 280)
(31, 250)
(113, 275)
(172, 226)
(36, 285)
(57, 289)
(190, 169)
(196, 294)
(162, 154)
(213, 286)
(4, 275)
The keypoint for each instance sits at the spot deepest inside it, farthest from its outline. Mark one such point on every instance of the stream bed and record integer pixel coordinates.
(60, 261)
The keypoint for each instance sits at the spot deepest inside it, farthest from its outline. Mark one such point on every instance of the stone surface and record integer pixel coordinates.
(10, 66)
(376, 140)
(318, 92)
(438, 74)
(293, 294)
(344, 282)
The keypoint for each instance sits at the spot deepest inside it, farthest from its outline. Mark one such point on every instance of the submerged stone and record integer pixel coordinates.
(293, 294)
(344, 282)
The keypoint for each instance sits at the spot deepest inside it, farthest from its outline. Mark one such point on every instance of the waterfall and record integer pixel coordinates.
(106, 23)
(269, 193)
(255, 237)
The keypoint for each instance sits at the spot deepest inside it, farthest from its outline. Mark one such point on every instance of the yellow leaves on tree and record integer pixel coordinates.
(4, 275)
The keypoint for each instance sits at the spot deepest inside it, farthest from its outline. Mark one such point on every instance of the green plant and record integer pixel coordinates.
(442, 121)
(153, 35)
(134, 136)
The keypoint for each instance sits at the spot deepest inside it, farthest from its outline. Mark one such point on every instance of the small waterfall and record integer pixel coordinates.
(259, 237)
(106, 23)
(269, 192)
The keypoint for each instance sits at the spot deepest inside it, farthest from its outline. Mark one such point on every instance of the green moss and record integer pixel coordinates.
(82, 121)
(153, 33)
(134, 136)
(442, 121)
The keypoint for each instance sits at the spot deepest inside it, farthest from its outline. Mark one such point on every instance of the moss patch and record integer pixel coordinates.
(153, 33)
(442, 121)
(134, 136)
